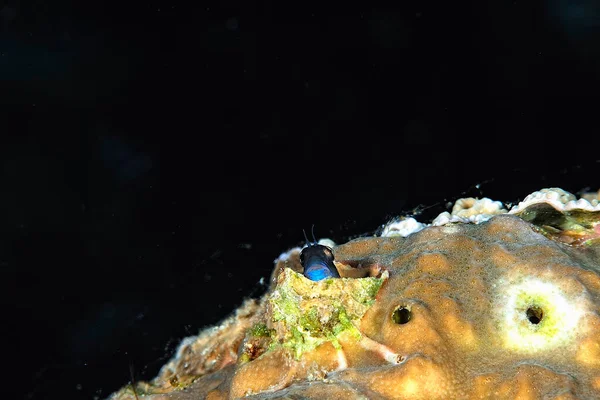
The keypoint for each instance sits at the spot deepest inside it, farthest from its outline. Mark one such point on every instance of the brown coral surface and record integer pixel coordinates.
(502, 309)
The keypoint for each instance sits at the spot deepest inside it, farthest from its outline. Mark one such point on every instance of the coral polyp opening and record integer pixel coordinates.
(535, 315)
(401, 315)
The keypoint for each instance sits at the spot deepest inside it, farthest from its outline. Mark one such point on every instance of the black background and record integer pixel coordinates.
(156, 158)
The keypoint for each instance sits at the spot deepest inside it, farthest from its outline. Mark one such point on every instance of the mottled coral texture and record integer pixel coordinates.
(502, 307)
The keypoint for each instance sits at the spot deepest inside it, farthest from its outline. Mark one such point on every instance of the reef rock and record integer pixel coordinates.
(485, 302)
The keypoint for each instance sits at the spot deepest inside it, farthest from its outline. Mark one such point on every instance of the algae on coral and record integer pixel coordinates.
(307, 313)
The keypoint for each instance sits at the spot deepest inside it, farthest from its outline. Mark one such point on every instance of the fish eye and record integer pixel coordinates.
(317, 261)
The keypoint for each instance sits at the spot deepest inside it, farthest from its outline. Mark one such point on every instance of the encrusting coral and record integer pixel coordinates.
(484, 302)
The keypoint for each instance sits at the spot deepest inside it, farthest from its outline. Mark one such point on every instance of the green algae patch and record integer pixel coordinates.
(261, 330)
(575, 227)
(306, 314)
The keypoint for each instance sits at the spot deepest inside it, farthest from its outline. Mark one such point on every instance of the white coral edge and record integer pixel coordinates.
(472, 210)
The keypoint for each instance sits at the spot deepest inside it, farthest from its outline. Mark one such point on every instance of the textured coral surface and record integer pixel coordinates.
(501, 307)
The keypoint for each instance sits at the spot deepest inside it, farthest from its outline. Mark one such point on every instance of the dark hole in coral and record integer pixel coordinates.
(401, 315)
(535, 315)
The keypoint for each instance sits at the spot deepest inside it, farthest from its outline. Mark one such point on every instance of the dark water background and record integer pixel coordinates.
(157, 157)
